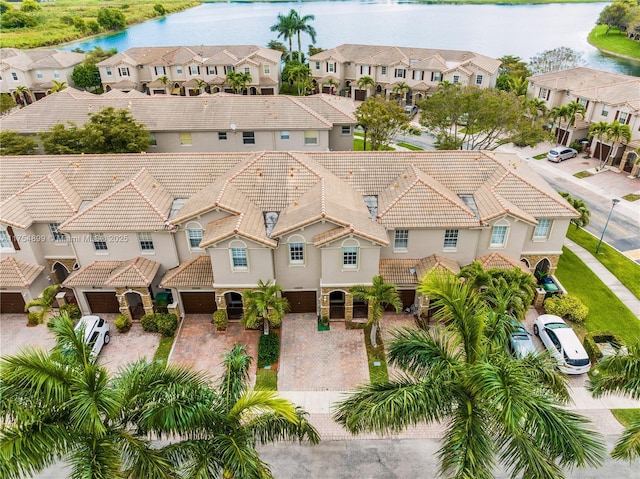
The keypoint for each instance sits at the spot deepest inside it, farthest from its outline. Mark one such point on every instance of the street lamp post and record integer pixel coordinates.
(614, 202)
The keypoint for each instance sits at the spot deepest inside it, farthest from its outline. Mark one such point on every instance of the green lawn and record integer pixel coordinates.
(627, 271)
(376, 355)
(582, 174)
(541, 156)
(631, 197)
(625, 416)
(358, 145)
(164, 348)
(267, 379)
(409, 146)
(606, 311)
(615, 42)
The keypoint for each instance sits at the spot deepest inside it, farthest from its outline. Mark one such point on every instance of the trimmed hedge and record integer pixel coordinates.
(163, 323)
(149, 323)
(122, 323)
(568, 307)
(268, 349)
(220, 319)
(592, 339)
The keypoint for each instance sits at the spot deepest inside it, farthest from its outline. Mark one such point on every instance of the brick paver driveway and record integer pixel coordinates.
(200, 347)
(312, 360)
(16, 335)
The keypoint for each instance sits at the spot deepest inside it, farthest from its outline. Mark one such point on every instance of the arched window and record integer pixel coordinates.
(499, 234)
(350, 254)
(239, 256)
(296, 250)
(194, 235)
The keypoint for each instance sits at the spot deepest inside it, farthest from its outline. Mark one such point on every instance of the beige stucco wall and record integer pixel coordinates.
(260, 263)
(516, 236)
(30, 243)
(180, 234)
(553, 244)
(425, 242)
(334, 274)
(340, 142)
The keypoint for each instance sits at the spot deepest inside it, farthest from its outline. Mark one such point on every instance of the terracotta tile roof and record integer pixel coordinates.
(416, 200)
(139, 204)
(50, 198)
(500, 261)
(39, 58)
(249, 224)
(136, 272)
(161, 113)
(398, 271)
(17, 273)
(196, 271)
(435, 261)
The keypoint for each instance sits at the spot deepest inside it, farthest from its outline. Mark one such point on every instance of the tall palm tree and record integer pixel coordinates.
(599, 130)
(332, 85)
(200, 84)
(559, 114)
(24, 93)
(285, 26)
(238, 81)
(366, 82)
(378, 295)
(264, 304)
(574, 109)
(616, 133)
(581, 207)
(496, 408)
(301, 25)
(58, 86)
(96, 423)
(621, 374)
(401, 90)
(44, 302)
(537, 107)
(243, 419)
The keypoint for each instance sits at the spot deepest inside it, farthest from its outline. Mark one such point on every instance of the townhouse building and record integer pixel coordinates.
(421, 69)
(189, 70)
(28, 75)
(606, 96)
(118, 230)
(206, 123)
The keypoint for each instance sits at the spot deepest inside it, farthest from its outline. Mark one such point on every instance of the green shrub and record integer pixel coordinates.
(220, 319)
(4, 7)
(79, 23)
(122, 323)
(159, 9)
(167, 324)
(33, 319)
(592, 339)
(149, 323)
(568, 307)
(29, 6)
(576, 146)
(325, 320)
(268, 349)
(72, 310)
(15, 19)
(93, 26)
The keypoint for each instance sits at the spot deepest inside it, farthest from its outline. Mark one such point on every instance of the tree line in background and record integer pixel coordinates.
(623, 15)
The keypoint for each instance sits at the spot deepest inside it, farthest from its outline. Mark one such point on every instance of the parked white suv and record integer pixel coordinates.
(96, 332)
(565, 346)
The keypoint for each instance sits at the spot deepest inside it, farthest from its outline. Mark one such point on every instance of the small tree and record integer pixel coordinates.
(561, 58)
(58, 86)
(7, 103)
(616, 133)
(86, 77)
(378, 295)
(264, 304)
(111, 19)
(238, 81)
(381, 120)
(44, 302)
(62, 140)
(114, 131)
(13, 143)
(581, 207)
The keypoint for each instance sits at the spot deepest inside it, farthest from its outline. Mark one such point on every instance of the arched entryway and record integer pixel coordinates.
(542, 268)
(253, 91)
(59, 272)
(134, 300)
(234, 305)
(337, 300)
(360, 308)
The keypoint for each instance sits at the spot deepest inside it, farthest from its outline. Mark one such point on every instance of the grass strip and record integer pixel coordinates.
(377, 373)
(582, 174)
(409, 146)
(541, 156)
(164, 348)
(606, 311)
(266, 380)
(623, 268)
(626, 416)
(631, 197)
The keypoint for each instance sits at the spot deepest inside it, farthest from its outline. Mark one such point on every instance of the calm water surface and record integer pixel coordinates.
(493, 30)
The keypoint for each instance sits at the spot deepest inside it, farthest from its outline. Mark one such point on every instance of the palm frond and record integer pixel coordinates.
(255, 402)
(140, 460)
(628, 446)
(233, 382)
(270, 428)
(96, 458)
(618, 374)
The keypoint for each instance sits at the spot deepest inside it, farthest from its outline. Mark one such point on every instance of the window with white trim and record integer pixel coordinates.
(56, 74)
(605, 112)
(331, 67)
(185, 139)
(311, 137)
(14, 76)
(99, 242)
(296, 251)
(228, 68)
(146, 242)
(212, 70)
(383, 70)
(249, 137)
(350, 257)
(194, 235)
(450, 239)
(400, 73)
(109, 71)
(159, 70)
(266, 69)
(247, 70)
(499, 236)
(38, 74)
(479, 79)
(346, 130)
(5, 241)
(401, 239)
(317, 65)
(154, 139)
(179, 69)
(194, 70)
(123, 71)
(57, 236)
(239, 260)
(456, 79)
(542, 229)
(284, 135)
(436, 76)
(544, 93)
(622, 117)
(222, 135)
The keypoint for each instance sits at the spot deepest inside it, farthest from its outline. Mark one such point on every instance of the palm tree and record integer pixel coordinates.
(244, 418)
(298, 74)
(599, 131)
(616, 133)
(496, 408)
(164, 79)
(366, 82)
(401, 90)
(621, 374)
(574, 109)
(58, 86)
(238, 81)
(200, 84)
(581, 207)
(537, 107)
(96, 423)
(518, 85)
(378, 295)
(264, 304)
(285, 27)
(44, 302)
(332, 85)
(24, 94)
(300, 25)
(559, 114)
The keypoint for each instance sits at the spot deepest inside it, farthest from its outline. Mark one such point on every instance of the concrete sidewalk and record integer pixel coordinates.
(626, 296)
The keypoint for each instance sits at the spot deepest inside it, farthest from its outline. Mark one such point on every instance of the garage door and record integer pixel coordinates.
(11, 303)
(407, 297)
(199, 303)
(267, 91)
(301, 301)
(103, 302)
(361, 95)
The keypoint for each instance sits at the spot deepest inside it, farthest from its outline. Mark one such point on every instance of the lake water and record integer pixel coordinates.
(494, 30)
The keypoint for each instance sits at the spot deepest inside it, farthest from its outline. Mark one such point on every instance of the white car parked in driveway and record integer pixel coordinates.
(96, 332)
(565, 346)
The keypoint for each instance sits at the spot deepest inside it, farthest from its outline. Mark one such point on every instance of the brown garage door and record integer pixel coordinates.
(407, 297)
(200, 302)
(361, 95)
(267, 91)
(103, 302)
(301, 301)
(11, 303)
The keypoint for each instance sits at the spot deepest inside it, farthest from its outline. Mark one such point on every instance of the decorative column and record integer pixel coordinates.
(121, 295)
(348, 307)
